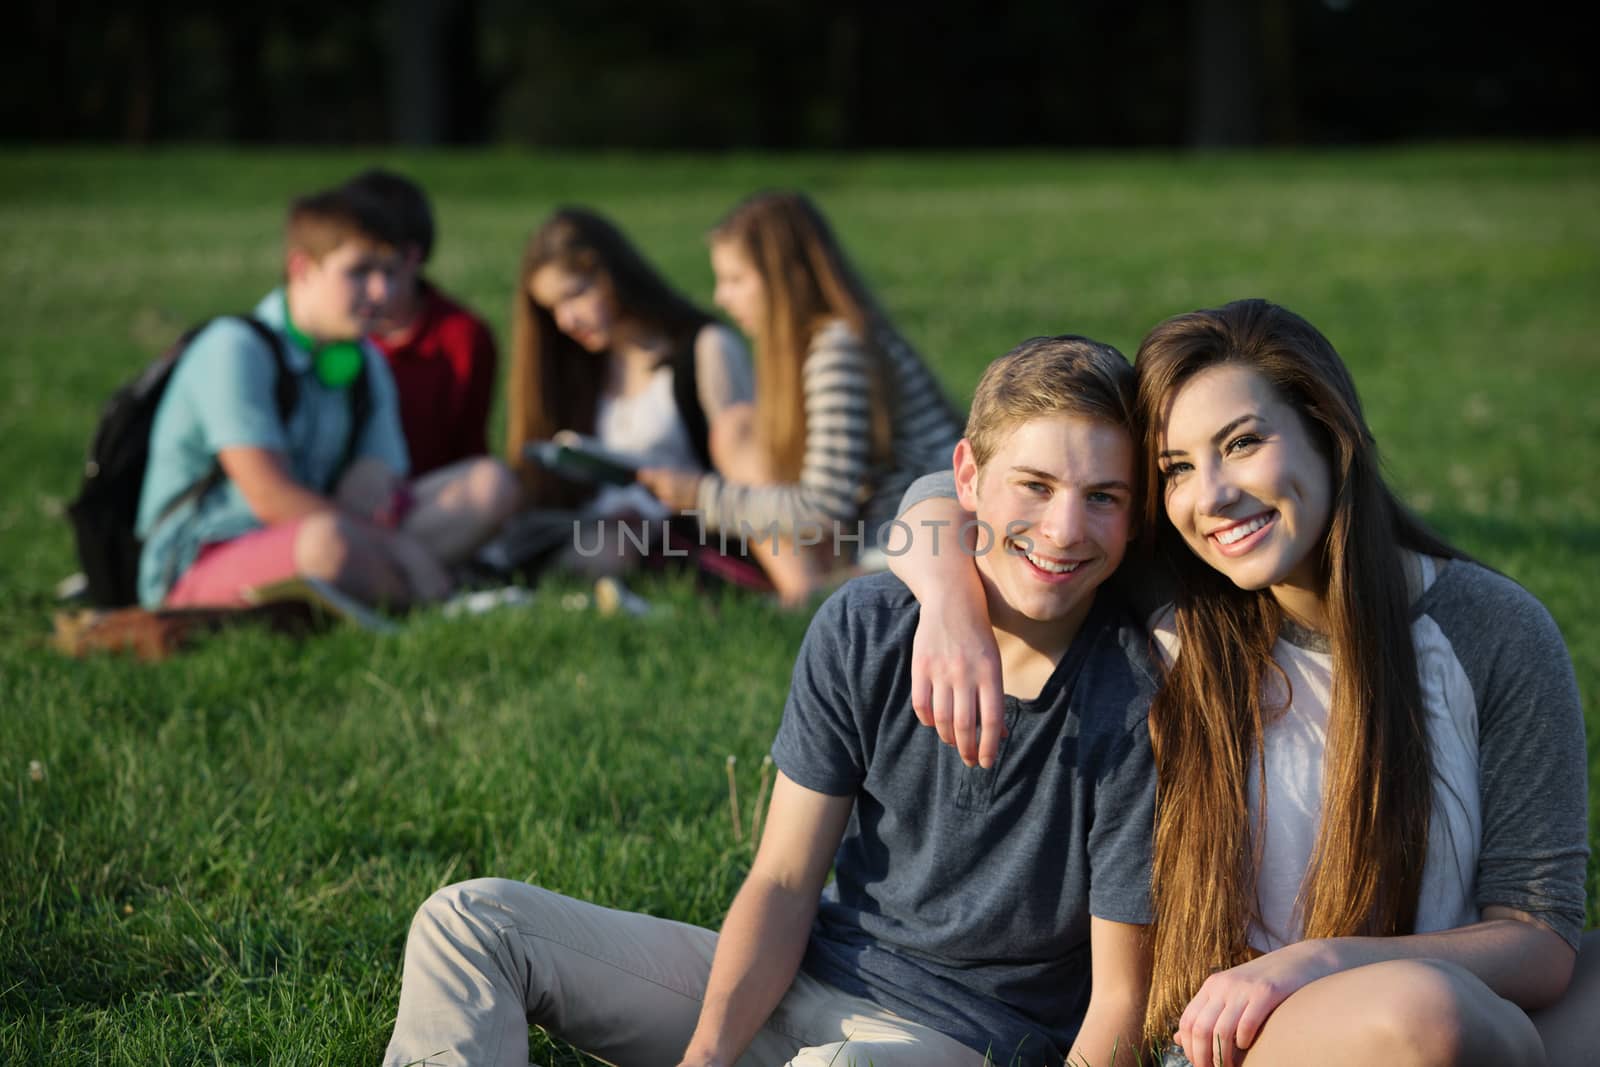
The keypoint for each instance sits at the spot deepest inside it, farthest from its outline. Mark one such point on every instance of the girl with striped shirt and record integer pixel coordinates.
(846, 414)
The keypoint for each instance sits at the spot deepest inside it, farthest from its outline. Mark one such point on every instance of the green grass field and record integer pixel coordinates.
(222, 857)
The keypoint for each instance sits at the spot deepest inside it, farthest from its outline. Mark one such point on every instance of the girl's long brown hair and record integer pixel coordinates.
(554, 383)
(1206, 722)
(808, 282)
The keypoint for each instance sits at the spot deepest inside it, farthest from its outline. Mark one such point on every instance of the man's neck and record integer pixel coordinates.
(1029, 649)
(293, 308)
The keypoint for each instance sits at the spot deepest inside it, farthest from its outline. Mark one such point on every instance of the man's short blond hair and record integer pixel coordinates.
(1065, 375)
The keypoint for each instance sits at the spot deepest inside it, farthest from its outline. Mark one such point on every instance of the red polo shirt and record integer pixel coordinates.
(444, 368)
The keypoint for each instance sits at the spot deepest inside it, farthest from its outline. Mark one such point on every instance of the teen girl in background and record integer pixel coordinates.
(1372, 825)
(845, 413)
(603, 347)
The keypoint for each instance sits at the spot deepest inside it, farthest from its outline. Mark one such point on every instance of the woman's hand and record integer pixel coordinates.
(955, 679)
(677, 489)
(1225, 1016)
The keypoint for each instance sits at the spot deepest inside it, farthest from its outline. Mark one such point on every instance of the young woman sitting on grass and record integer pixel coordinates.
(1371, 832)
(603, 347)
(845, 416)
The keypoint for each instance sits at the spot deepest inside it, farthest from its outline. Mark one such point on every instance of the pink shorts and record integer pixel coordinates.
(223, 570)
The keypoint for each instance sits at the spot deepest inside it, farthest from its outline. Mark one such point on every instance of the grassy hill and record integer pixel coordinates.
(221, 853)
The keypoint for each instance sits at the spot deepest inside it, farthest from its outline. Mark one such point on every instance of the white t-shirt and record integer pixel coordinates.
(1294, 745)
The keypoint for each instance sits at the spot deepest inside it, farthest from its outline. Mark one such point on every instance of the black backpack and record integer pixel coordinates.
(106, 509)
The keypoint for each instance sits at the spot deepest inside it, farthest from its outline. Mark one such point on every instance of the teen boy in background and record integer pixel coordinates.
(443, 360)
(965, 902)
(320, 493)
(442, 355)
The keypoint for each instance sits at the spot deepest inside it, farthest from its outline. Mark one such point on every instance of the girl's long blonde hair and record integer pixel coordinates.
(808, 282)
(554, 383)
(1207, 721)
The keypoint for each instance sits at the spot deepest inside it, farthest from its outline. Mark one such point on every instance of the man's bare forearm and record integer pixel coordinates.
(758, 955)
(1110, 1035)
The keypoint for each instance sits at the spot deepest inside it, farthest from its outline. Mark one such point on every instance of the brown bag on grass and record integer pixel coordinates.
(156, 635)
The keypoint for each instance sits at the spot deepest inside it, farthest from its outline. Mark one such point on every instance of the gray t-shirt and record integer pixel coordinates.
(962, 896)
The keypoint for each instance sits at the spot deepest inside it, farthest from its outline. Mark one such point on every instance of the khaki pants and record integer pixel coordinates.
(487, 958)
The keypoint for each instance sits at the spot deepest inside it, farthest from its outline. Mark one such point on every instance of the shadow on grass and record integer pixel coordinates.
(1493, 537)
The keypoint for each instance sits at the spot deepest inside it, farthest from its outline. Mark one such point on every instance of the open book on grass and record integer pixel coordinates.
(322, 596)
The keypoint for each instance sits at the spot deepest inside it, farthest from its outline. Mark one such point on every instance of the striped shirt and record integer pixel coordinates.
(839, 480)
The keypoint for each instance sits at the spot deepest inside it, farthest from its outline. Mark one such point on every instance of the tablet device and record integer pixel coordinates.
(580, 462)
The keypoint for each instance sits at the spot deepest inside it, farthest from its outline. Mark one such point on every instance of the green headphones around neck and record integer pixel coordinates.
(336, 363)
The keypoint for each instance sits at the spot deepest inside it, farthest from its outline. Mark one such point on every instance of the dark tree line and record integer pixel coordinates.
(827, 74)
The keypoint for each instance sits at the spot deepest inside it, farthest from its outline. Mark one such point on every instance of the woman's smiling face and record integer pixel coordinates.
(1245, 484)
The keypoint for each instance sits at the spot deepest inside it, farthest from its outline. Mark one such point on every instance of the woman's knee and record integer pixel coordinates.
(1432, 1013)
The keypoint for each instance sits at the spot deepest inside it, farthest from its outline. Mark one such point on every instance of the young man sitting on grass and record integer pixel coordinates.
(442, 355)
(319, 494)
(974, 913)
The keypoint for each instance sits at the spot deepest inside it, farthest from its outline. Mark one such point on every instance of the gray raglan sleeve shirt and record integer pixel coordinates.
(940, 484)
(1532, 772)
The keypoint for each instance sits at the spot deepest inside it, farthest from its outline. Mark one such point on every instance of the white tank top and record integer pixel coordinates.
(647, 429)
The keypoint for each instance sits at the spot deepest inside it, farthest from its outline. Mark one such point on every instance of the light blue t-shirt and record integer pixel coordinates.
(224, 394)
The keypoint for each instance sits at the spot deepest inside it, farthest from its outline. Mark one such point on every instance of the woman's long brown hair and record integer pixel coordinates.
(808, 282)
(1207, 721)
(554, 383)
